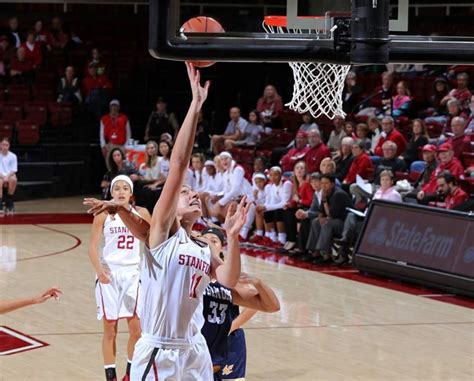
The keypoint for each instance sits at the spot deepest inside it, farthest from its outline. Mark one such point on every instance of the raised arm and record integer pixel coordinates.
(255, 294)
(163, 221)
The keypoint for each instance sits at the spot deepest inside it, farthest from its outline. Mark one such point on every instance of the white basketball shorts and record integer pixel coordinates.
(118, 299)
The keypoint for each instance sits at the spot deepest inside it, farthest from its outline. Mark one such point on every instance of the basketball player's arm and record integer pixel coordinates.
(255, 294)
(139, 226)
(94, 255)
(12, 305)
(244, 317)
(163, 221)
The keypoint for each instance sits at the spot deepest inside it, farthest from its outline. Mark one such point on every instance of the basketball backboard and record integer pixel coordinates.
(357, 31)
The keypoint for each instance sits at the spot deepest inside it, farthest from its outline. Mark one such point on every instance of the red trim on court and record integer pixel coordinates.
(346, 273)
(9, 342)
(46, 218)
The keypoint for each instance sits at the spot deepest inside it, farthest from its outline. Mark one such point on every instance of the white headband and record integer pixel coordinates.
(122, 178)
(275, 168)
(259, 176)
(209, 162)
(225, 154)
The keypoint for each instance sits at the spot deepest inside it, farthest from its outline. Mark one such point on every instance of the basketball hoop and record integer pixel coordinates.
(318, 86)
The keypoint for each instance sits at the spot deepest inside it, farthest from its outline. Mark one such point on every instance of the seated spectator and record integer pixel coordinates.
(213, 185)
(441, 89)
(298, 153)
(344, 158)
(197, 171)
(470, 122)
(117, 166)
(390, 134)
(277, 196)
(428, 164)
(349, 129)
(233, 131)
(401, 102)
(235, 186)
(15, 36)
(203, 134)
(447, 188)
(353, 223)
(351, 93)
(381, 98)
(308, 123)
(407, 70)
(43, 37)
(269, 106)
(330, 223)
(114, 128)
(164, 149)
(259, 180)
(96, 59)
(69, 89)
(301, 198)
(461, 93)
(306, 215)
(328, 166)
(362, 133)
(375, 127)
(317, 151)
(250, 135)
(418, 140)
(32, 50)
(361, 165)
(95, 89)
(161, 121)
(7, 53)
(459, 141)
(21, 69)
(8, 179)
(260, 165)
(447, 162)
(59, 36)
(337, 134)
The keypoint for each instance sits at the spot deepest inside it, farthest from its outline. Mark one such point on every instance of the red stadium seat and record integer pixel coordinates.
(11, 112)
(44, 94)
(6, 130)
(61, 114)
(27, 132)
(36, 112)
(18, 93)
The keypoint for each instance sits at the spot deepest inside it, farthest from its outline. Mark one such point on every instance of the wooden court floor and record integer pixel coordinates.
(329, 327)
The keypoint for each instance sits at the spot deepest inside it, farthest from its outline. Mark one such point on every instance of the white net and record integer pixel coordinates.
(317, 86)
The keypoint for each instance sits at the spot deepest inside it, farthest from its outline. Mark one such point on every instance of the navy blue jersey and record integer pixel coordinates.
(217, 304)
(236, 359)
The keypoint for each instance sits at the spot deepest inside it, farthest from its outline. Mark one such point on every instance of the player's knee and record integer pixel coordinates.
(110, 334)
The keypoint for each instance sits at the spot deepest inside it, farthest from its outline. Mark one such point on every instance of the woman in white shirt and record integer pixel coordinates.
(251, 133)
(8, 180)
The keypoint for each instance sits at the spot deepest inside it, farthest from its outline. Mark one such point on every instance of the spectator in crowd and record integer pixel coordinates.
(353, 223)
(470, 122)
(117, 166)
(32, 49)
(306, 216)
(382, 97)
(69, 89)
(43, 37)
(328, 165)
(375, 127)
(234, 130)
(269, 106)
(277, 197)
(401, 101)
(164, 149)
(250, 135)
(301, 198)
(213, 185)
(459, 141)
(351, 92)
(362, 133)
(349, 129)
(440, 91)
(390, 134)
(14, 35)
(114, 128)
(7, 53)
(295, 154)
(308, 123)
(95, 89)
(460, 93)
(419, 139)
(447, 188)
(454, 109)
(428, 164)
(447, 162)
(203, 134)
(344, 158)
(235, 186)
(21, 69)
(389, 161)
(317, 151)
(197, 170)
(330, 222)
(161, 121)
(8, 179)
(361, 165)
(59, 37)
(260, 165)
(337, 134)
(96, 59)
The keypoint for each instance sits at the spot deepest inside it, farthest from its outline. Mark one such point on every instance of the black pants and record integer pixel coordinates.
(303, 234)
(290, 224)
(273, 216)
(146, 197)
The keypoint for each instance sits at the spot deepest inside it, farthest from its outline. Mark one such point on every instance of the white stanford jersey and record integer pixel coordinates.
(174, 276)
(121, 248)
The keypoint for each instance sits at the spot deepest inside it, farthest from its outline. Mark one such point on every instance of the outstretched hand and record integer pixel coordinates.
(236, 217)
(199, 92)
(101, 206)
(53, 292)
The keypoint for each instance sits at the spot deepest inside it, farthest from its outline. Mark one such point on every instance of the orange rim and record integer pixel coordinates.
(281, 20)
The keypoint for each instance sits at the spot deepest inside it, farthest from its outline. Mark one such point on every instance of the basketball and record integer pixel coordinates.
(202, 24)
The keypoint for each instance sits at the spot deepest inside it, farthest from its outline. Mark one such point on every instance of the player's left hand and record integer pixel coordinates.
(236, 217)
(53, 292)
(101, 206)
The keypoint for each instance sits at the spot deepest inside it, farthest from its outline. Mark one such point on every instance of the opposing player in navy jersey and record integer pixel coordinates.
(117, 274)
(221, 307)
(177, 268)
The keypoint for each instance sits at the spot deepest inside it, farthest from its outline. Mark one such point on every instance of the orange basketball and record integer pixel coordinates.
(202, 24)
